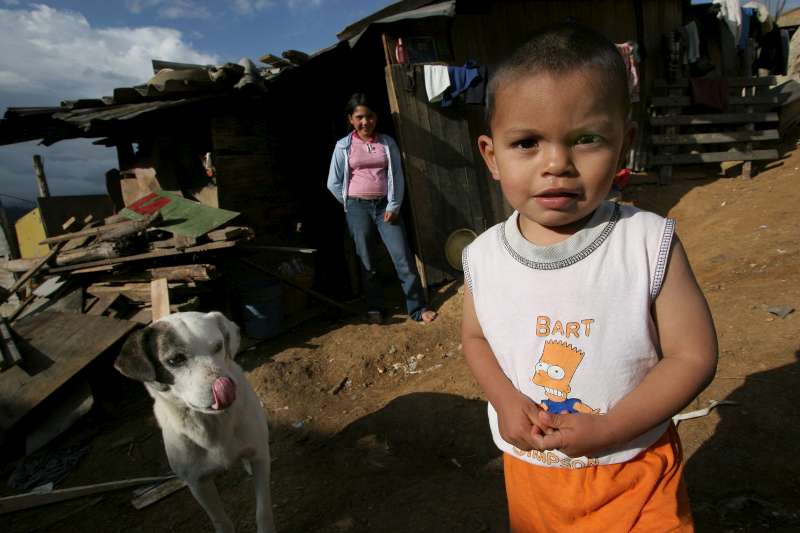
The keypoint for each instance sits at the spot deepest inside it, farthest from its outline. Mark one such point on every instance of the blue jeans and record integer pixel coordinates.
(363, 218)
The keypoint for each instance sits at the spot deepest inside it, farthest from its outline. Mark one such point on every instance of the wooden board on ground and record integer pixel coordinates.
(54, 347)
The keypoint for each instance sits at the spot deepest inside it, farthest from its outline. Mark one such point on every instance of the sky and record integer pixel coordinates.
(63, 50)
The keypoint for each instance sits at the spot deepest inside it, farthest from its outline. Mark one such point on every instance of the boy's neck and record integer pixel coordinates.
(541, 235)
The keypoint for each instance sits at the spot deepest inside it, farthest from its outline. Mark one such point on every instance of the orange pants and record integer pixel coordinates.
(646, 494)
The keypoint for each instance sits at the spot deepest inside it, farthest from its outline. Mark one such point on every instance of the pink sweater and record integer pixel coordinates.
(368, 163)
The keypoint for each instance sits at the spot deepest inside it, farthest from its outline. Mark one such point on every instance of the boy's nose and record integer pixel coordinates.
(559, 160)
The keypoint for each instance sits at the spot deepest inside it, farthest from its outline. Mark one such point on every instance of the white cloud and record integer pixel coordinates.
(59, 53)
(295, 4)
(247, 7)
(52, 55)
(170, 9)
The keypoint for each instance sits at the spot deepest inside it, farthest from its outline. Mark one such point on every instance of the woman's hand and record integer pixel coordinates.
(518, 421)
(575, 435)
(389, 217)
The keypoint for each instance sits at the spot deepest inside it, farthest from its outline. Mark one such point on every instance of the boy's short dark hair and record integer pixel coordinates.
(558, 50)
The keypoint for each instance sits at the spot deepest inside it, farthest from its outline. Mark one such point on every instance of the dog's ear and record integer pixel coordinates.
(134, 360)
(230, 333)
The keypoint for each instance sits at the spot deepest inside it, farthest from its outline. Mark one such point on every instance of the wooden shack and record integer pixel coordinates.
(449, 187)
(271, 141)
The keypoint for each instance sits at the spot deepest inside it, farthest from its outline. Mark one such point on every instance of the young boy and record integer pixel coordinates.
(582, 321)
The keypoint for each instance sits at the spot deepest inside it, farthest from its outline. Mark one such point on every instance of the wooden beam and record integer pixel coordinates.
(106, 232)
(230, 233)
(716, 138)
(149, 255)
(27, 501)
(669, 101)
(7, 345)
(157, 493)
(713, 118)
(41, 179)
(713, 157)
(747, 81)
(159, 298)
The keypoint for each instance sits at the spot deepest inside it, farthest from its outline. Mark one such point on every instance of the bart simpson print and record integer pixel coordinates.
(554, 372)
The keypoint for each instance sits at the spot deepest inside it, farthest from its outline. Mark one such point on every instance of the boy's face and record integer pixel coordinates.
(556, 145)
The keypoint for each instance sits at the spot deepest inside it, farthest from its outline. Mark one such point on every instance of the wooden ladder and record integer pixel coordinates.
(682, 138)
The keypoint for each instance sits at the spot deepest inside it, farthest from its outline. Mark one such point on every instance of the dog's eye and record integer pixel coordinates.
(217, 347)
(176, 360)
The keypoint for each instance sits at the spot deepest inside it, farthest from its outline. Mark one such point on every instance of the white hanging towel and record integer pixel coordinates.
(730, 11)
(693, 44)
(437, 80)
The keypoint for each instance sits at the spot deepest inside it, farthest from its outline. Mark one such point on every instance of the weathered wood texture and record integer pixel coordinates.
(54, 347)
(159, 298)
(440, 171)
(689, 138)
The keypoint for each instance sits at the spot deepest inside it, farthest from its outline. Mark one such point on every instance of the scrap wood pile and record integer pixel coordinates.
(105, 267)
(87, 293)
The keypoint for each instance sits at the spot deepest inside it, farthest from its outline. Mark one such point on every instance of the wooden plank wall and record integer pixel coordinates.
(487, 32)
(440, 170)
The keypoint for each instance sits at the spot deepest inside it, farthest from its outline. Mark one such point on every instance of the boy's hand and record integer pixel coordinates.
(518, 421)
(575, 435)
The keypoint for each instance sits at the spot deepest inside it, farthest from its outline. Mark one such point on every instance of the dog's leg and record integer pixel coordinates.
(205, 492)
(264, 518)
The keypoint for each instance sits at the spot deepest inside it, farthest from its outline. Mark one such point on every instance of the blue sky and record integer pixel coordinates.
(55, 50)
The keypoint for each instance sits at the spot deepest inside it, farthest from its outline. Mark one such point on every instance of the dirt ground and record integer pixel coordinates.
(382, 428)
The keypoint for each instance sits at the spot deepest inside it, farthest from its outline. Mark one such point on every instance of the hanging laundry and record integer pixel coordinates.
(476, 93)
(629, 56)
(461, 79)
(747, 13)
(692, 42)
(762, 12)
(437, 81)
(730, 11)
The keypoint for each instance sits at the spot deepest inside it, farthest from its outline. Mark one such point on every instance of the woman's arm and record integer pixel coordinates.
(689, 348)
(336, 174)
(398, 185)
(515, 411)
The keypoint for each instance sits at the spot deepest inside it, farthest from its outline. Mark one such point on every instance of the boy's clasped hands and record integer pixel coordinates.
(526, 425)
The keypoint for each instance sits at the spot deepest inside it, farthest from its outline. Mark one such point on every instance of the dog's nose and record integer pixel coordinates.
(224, 390)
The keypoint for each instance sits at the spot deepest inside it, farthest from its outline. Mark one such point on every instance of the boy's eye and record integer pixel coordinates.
(526, 144)
(588, 139)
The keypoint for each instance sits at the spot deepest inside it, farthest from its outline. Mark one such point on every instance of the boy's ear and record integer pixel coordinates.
(630, 136)
(486, 147)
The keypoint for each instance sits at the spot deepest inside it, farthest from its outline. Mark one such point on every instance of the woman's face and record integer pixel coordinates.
(363, 121)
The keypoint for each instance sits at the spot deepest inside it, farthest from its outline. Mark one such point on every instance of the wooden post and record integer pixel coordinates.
(41, 179)
(159, 298)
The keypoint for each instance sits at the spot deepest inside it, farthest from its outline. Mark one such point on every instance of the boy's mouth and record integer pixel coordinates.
(556, 198)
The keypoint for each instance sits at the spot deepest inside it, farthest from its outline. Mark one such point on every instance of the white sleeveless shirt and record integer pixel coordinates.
(570, 324)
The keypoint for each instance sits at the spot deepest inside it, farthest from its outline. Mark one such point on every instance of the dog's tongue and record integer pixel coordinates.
(224, 393)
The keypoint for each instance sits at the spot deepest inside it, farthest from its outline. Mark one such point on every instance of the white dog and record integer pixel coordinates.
(209, 414)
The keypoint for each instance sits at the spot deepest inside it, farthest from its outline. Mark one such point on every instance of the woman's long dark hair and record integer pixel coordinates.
(356, 100)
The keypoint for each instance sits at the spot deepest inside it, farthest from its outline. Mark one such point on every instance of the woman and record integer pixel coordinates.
(366, 176)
